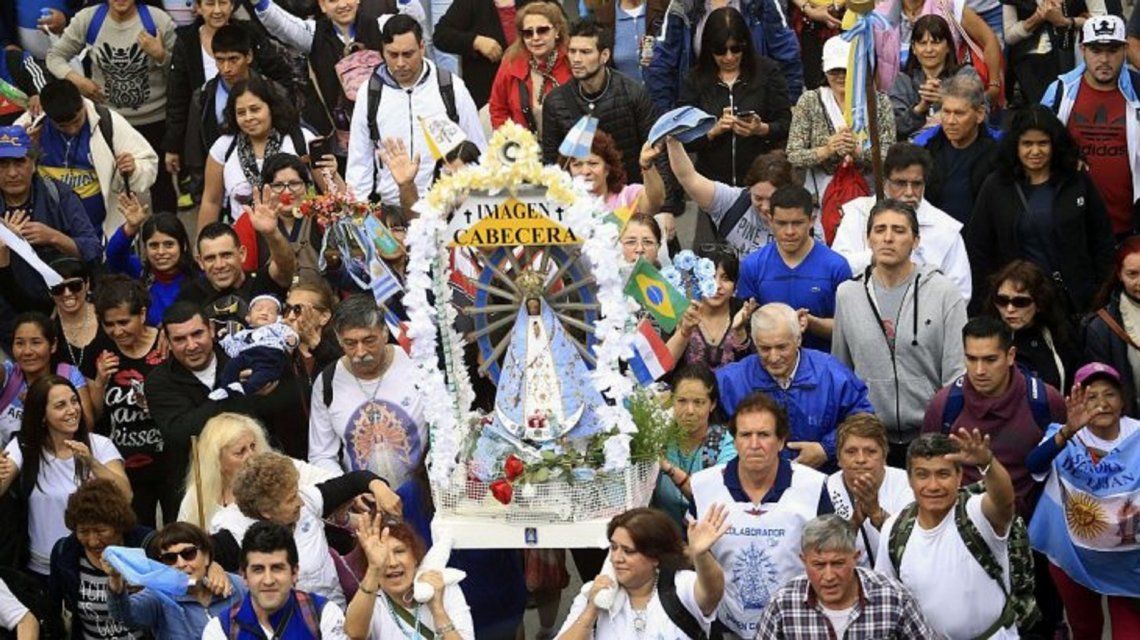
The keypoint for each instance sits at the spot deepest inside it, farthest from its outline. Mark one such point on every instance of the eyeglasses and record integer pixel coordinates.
(633, 243)
(715, 250)
(74, 286)
(170, 557)
(1018, 302)
(292, 185)
(902, 185)
(734, 49)
(539, 32)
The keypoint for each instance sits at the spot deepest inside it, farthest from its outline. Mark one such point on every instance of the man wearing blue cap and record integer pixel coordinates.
(42, 211)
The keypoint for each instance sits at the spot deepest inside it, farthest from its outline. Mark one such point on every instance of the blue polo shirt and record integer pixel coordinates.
(810, 285)
(783, 481)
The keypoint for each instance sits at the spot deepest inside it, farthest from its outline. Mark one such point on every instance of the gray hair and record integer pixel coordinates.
(966, 87)
(358, 311)
(828, 533)
(770, 317)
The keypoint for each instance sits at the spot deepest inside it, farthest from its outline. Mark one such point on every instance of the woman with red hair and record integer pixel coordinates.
(1112, 335)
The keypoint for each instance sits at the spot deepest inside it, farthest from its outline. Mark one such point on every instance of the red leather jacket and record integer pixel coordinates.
(506, 100)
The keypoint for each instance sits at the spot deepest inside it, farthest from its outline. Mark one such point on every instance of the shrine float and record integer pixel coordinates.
(570, 440)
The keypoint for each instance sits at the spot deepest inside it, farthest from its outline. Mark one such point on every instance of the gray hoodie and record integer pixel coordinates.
(928, 346)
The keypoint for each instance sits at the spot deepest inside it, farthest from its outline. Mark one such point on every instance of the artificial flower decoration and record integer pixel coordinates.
(694, 276)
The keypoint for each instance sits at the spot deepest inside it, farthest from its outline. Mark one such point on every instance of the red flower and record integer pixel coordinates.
(502, 491)
(513, 467)
(286, 199)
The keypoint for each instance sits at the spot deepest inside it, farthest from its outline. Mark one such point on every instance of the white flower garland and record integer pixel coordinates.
(428, 268)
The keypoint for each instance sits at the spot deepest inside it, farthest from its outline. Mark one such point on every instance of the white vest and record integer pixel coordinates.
(761, 550)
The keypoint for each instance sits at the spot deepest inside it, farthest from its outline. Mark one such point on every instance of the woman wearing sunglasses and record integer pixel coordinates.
(99, 516)
(1112, 333)
(212, 592)
(533, 65)
(747, 93)
(1022, 295)
(75, 321)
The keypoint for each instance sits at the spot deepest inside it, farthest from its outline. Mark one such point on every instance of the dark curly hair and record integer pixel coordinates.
(1028, 277)
(605, 148)
(1065, 154)
(654, 534)
(99, 501)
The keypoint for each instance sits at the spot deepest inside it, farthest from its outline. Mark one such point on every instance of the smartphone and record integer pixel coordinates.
(747, 115)
(319, 148)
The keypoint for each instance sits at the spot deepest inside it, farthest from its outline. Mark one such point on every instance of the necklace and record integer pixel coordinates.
(81, 330)
(605, 88)
(371, 409)
(641, 616)
(400, 624)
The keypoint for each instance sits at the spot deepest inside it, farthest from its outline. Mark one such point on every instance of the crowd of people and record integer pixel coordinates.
(909, 409)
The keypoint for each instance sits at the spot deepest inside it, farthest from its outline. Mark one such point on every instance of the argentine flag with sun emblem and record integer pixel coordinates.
(1088, 519)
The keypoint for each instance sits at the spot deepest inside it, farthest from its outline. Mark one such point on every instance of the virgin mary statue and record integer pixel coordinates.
(544, 390)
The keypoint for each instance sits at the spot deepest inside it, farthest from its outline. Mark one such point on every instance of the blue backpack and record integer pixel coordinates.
(1035, 391)
(100, 17)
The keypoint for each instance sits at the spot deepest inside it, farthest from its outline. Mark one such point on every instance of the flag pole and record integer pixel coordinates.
(862, 8)
(198, 481)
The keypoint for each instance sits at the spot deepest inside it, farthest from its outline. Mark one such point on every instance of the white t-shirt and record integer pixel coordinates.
(237, 188)
(619, 625)
(48, 501)
(953, 590)
(209, 375)
(386, 625)
(385, 433)
(12, 611)
(316, 572)
(894, 495)
(309, 475)
(332, 626)
(840, 619)
(1128, 426)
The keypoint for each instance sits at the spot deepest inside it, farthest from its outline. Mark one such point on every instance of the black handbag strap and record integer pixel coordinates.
(671, 603)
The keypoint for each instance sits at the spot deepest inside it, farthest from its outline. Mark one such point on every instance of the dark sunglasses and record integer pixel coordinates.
(74, 286)
(715, 250)
(735, 49)
(290, 309)
(1019, 302)
(170, 557)
(536, 31)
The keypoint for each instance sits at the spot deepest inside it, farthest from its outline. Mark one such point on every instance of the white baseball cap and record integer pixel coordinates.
(835, 52)
(1103, 29)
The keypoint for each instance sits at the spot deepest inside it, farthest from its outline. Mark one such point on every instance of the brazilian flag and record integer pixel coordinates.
(656, 295)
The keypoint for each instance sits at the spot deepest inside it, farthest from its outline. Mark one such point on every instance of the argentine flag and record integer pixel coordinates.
(1088, 519)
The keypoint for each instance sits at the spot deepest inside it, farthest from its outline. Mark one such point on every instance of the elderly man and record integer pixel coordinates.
(907, 168)
(929, 554)
(768, 500)
(816, 390)
(839, 599)
(964, 149)
(366, 412)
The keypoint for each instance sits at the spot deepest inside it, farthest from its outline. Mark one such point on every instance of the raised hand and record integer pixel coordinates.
(263, 213)
(1076, 408)
(434, 579)
(394, 155)
(375, 541)
(134, 212)
(691, 319)
(741, 319)
(152, 46)
(973, 448)
(704, 533)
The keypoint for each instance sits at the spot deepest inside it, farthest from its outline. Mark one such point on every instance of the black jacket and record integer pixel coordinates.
(1102, 345)
(180, 407)
(187, 75)
(623, 110)
(984, 165)
(63, 585)
(727, 158)
(1035, 355)
(455, 33)
(1082, 235)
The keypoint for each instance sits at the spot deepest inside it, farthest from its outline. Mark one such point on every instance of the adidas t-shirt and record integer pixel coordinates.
(951, 588)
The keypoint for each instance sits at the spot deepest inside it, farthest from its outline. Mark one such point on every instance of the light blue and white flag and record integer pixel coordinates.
(579, 138)
(1088, 519)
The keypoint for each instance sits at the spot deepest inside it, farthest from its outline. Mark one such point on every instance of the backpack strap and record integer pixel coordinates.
(11, 388)
(375, 90)
(229, 622)
(97, 21)
(327, 375)
(524, 100)
(981, 552)
(447, 93)
(1037, 393)
(310, 612)
(955, 402)
(100, 17)
(671, 603)
(734, 214)
(1115, 327)
(900, 534)
(106, 125)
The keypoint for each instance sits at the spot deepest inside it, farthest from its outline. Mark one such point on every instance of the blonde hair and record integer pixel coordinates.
(549, 10)
(220, 431)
